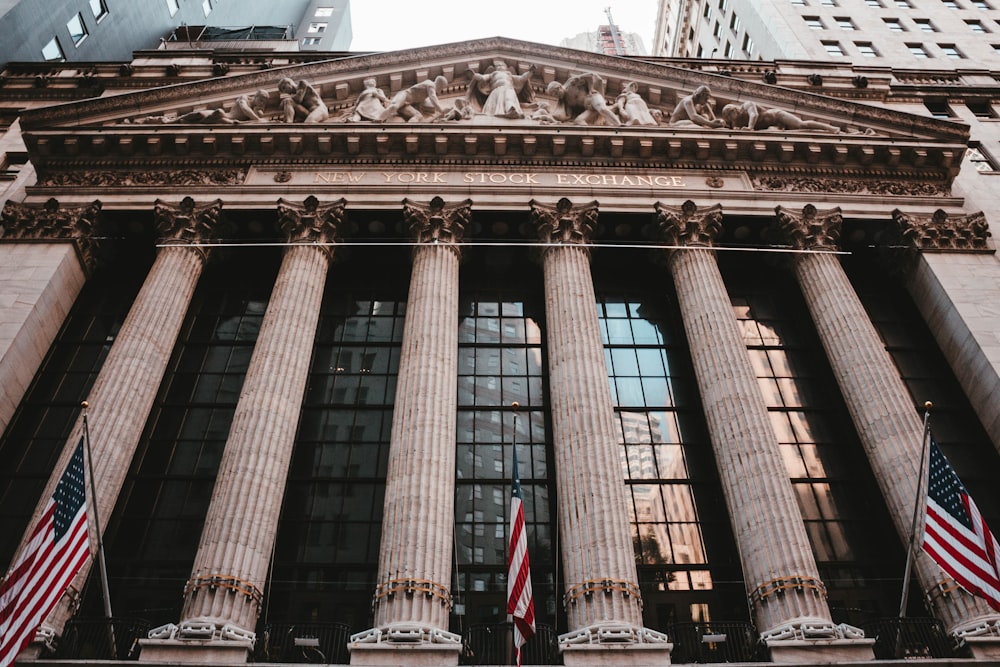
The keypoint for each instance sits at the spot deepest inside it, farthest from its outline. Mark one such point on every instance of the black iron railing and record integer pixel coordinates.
(716, 642)
(101, 639)
(320, 643)
(492, 644)
(909, 638)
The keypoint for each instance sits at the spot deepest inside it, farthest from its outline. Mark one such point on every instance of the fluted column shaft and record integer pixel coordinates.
(231, 564)
(779, 567)
(126, 386)
(596, 541)
(415, 558)
(880, 407)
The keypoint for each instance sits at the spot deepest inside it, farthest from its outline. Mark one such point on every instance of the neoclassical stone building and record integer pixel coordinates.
(301, 300)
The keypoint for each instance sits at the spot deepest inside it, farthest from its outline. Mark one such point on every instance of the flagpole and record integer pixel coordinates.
(510, 617)
(917, 506)
(101, 562)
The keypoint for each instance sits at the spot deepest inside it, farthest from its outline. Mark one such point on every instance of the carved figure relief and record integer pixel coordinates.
(411, 103)
(246, 108)
(500, 92)
(301, 102)
(696, 109)
(371, 103)
(748, 116)
(632, 108)
(581, 100)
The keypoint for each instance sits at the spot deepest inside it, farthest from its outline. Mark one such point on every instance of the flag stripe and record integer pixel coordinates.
(520, 603)
(57, 549)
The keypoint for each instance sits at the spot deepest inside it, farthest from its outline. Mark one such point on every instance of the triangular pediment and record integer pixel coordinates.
(546, 110)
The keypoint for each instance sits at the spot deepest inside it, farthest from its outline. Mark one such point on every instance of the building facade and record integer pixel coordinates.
(719, 304)
(97, 30)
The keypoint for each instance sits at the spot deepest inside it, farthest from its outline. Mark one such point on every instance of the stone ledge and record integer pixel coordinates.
(200, 651)
(821, 651)
(616, 654)
(983, 648)
(416, 654)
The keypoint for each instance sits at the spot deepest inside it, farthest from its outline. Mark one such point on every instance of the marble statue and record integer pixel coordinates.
(632, 108)
(696, 109)
(408, 102)
(371, 103)
(581, 100)
(748, 116)
(461, 110)
(300, 102)
(499, 92)
(245, 108)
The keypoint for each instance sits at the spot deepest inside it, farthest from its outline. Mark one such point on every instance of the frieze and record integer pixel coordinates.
(850, 186)
(149, 177)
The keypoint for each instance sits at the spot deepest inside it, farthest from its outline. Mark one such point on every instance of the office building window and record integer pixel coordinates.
(845, 23)
(723, 6)
(323, 11)
(729, 50)
(99, 9)
(925, 25)
(939, 108)
(799, 3)
(173, 6)
(206, 6)
(894, 25)
(976, 26)
(981, 4)
(734, 23)
(951, 4)
(951, 51)
(312, 41)
(52, 52)
(981, 108)
(747, 45)
(317, 27)
(77, 30)
(903, 4)
(874, 4)
(813, 22)
(918, 50)
(866, 49)
(829, 3)
(833, 48)
(980, 160)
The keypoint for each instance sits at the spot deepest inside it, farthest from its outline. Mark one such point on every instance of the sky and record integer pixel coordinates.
(390, 25)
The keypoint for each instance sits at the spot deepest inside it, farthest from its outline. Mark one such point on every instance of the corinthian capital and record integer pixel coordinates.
(688, 225)
(309, 222)
(941, 231)
(50, 221)
(188, 223)
(811, 229)
(436, 222)
(564, 223)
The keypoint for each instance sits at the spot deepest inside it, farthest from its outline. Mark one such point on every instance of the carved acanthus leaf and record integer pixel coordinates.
(688, 225)
(188, 223)
(849, 186)
(181, 177)
(811, 229)
(436, 222)
(50, 221)
(564, 223)
(309, 222)
(941, 231)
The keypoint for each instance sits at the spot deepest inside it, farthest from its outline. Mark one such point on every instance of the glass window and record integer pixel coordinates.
(317, 27)
(833, 48)
(717, 31)
(747, 45)
(799, 3)
(924, 25)
(980, 160)
(874, 4)
(729, 50)
(324, 11)
(918, 51)
(981, 108)
(312, 41)
(813, 22)
(904, 4)
(939, 108)
(981, 4)
(951, 51)
(52, 52)
(708, 11)
(206, 6)
(951, 4)
(99, 9)
(829, 3)
(845, 23)
(894, 25)
(173, 6)
(976, 26)
(77, 30)
(734, 23)
(866, 49)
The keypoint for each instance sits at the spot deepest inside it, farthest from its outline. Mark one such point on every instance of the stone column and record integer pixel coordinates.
(881, 408)
(412, 596)
(126, 386)
(222, 598)
(53, 246)
(786, 594)
(602, 598)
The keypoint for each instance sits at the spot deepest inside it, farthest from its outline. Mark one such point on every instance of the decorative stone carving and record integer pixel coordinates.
(849, 186)
(943, 232)
(461, 110)
(581, 100)
(149, 177)
(564, 223)
(309, 223)
(748, 116)
(500, 92)
(632, 108)
(687, 225)
(696, 109)
(50, 221)
(438, 223)
(245, 108)
(187, 223)
(301, 102)
(411, 103)
(811, 229)
(371, 103)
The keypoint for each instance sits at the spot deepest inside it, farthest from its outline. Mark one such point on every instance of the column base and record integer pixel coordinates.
(201, 651)
(405, 644)
(614, 644)
(983, 648)
(821, 651)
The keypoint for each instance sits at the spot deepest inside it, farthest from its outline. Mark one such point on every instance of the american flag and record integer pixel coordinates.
(955, 534)
(520, 604)
(56, 552)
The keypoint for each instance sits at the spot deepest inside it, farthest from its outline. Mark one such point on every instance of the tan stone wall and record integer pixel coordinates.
(38, 284)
